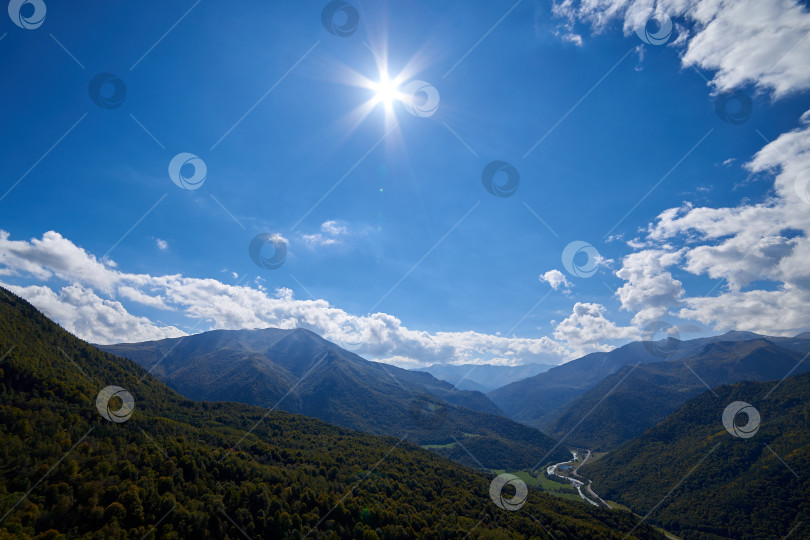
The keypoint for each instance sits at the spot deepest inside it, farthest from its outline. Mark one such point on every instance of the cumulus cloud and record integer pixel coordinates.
(742, 41)
(131, 293)
(763, 247)
(556, 279)
(585, 329)
(82, 312)
(162, 245)
(91, 305)
(768, 241)
(750, 41)
(649, 289)
(52, 256)
(756, 252)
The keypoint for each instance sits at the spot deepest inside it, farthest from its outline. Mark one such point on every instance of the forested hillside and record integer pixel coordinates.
(180, 469)
(635, 398)
(722, 486)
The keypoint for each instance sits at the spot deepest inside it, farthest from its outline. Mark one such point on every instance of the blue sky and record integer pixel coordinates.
(410, 231)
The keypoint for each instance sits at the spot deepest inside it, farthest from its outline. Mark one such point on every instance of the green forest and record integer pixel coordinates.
(701, 482)
(182, 469)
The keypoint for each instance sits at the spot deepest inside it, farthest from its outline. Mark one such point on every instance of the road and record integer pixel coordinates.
(576, 473)
(578, 484)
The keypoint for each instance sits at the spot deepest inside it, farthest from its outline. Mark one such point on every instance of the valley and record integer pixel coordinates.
(603, 401)
(427, 425)
(567, 470)
(395, 270)
(180, 468)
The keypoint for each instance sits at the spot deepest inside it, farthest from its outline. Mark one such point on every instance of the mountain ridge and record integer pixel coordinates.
(298, 371)
(626, 403)
(182, 469)
(539, 400)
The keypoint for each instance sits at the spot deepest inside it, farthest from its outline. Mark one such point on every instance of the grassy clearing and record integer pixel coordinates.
(564, 491)
(617, 506)
(438, 446)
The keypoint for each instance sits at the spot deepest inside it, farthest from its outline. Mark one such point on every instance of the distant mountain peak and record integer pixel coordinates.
(740, 335)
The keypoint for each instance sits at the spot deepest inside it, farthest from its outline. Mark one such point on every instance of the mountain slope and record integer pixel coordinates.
(533, 400)
(626, 403)
(298, 371)
(179, 469)
(539, 400)
(738, 487)
(483, 378)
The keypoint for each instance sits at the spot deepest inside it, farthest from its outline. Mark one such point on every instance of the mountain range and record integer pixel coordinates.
(164, 466)
(184, 468)
(540, 400)
(623, 405)
(300, 372)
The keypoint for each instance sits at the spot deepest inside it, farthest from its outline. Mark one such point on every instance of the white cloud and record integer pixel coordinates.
(640, 51)
(743, 41)
(332, 232)
(162, 245)
(743, 246)
(130, 293)
(556, 279)
(760, 41)
(576, 39)
(587, 329)
(333, 228)
(82, 312)
(233, 274)
(650, 290)
(81, 307)
(53, 256)
(763, 43)
(781, 312)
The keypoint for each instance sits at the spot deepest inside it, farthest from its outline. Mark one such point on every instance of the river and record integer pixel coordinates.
(582, 483)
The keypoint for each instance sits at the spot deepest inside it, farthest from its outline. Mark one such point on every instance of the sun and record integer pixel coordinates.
(385, 91)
